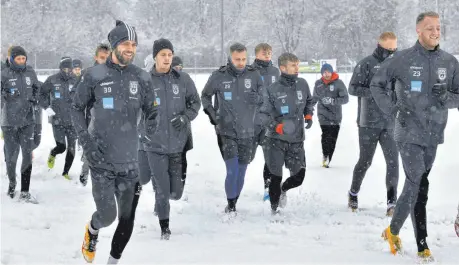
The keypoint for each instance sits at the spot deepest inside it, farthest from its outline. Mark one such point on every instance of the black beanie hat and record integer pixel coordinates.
(160, 44)
(120, 33)
(66, 62)
(177, 61)
(77, 63)
(16, 51)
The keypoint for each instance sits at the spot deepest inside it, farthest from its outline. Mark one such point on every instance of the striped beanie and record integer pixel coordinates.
(120, 33)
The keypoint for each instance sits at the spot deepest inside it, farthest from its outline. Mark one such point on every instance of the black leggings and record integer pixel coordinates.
(329, 137)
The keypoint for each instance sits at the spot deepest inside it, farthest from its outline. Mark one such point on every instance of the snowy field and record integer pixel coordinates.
(318, 228)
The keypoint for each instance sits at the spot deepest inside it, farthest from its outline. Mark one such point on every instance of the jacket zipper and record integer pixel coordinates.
(169, 125)
(428, 95)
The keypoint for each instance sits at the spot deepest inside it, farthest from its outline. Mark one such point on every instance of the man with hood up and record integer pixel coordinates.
(19, 92)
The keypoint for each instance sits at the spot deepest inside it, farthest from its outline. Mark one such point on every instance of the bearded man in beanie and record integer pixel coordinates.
(116, 91)
(56, 99)
(176, 104)
(19, 91)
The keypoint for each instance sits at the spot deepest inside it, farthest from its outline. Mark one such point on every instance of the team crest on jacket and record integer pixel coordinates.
(248, 83)
(27, 80)
(133, 87)
(273, 79)
(332, 88)
(70, 87)
(299, 94)
(175, 89)
(442, 74)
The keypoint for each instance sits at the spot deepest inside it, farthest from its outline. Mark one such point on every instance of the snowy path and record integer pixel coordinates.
(318, 227)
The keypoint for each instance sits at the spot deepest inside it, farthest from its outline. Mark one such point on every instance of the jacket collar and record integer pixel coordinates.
(424, 51)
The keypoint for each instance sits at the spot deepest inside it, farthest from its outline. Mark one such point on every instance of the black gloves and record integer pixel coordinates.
(253, 97)
(212, 117)
(308, 124)
(180, 122)
(93, 151)
(439, 90)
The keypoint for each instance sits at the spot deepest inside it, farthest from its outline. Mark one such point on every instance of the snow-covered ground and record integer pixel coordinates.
(318, 228)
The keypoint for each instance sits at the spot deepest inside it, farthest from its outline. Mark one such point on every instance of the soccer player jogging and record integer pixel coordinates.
(419, 84)
(56, 98)
(237, 91)
(117, 92)
(102, 52)
(177, 64)
(374, 125)
(176, 103)
(287, 106)
(38, 124)
(269, 75)
(19, 92)
(330, 93)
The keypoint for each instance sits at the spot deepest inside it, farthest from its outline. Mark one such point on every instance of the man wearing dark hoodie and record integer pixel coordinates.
(19, 92)
(37, 110)
(418, 85)
(176, 104)
(116, 92)
(269, 75)
(374, 126)
(100, 57)
(56, 99)
(330, 94)
(287, 106)
(237, 88)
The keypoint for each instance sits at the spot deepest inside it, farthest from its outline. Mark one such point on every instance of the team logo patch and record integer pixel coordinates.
(273, 79)
(70, 87)
(27, 80)
(332, 87)
(175, 89)
(248, 83)
(442, 74)
(133, 87)
(299, 94)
